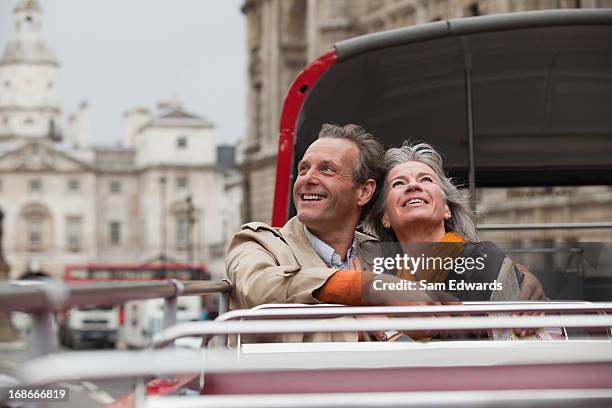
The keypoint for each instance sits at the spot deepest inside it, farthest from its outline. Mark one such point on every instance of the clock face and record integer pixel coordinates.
(28, 90)
(35, 88)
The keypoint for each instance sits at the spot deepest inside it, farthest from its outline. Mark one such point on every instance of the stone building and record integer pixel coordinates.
(160, 192)
(284, 35)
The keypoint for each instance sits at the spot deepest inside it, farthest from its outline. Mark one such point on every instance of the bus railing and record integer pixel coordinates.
(143, 364)
(443, 324)
(108, 364)
(541, 398)
(279, 311)
(289, 311)
(42, 299)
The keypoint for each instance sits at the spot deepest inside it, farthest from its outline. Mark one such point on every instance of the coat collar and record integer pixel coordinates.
(293, 233)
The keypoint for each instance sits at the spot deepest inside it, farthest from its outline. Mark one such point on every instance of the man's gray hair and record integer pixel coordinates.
(462, 219)
(370, 161)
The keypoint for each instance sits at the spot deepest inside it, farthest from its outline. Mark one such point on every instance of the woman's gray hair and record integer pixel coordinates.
(462, 219)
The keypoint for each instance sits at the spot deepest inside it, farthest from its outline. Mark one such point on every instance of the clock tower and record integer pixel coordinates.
(29, 73)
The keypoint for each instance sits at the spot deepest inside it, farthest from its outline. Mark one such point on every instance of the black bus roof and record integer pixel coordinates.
(523, 99)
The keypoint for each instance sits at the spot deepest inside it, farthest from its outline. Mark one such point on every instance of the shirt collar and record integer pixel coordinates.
(327, 253)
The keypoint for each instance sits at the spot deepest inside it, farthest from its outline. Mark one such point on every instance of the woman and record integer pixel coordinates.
(421, 214)
(419, 207)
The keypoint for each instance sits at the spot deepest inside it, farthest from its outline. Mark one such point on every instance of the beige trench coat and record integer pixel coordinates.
(278, 265)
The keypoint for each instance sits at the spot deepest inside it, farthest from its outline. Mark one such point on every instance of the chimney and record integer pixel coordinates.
(83, 126)
(167, 104)
(133, 120)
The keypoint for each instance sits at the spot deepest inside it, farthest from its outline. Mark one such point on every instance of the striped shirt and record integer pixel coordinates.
(328, 254)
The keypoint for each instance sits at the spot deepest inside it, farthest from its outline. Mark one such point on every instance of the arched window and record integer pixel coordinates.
(74, 232)
(35, 234)
(115, 233)
(35, 228)
(184, 215)
(182, 231)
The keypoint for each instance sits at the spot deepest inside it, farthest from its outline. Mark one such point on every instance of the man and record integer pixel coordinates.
(317, 256)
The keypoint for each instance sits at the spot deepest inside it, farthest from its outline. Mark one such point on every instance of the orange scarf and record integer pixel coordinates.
(435, 275)
(452, 237)
(442, 251)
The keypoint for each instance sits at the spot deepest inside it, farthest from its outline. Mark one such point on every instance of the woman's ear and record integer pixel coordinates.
(385, 220)
(366, 191)
(447, 212)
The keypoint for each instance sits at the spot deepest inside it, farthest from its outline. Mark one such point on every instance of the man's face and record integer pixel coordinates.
(323, 193)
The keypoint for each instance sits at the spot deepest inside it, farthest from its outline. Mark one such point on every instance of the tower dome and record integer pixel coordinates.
(27, 44)
(29, 72)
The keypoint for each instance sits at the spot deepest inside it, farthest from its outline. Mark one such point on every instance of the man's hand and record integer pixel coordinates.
(531, 288)
(414, 297)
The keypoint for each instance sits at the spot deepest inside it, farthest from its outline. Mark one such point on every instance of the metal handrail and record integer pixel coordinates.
(308, 311)
(293, 305)
(541, 398)
(22, 298)
(108, 364)
(446, 324)
(44, 298)
(201, 287)
(544, 226)
(52, 296)
(288, 311)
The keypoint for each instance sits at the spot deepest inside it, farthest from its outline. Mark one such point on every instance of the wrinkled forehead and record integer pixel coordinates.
(411, 169)
(331, 149)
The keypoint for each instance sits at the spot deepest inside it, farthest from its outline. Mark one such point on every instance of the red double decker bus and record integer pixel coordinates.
(101, 272)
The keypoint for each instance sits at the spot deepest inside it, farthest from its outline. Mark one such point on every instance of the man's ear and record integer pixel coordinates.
(366, 191)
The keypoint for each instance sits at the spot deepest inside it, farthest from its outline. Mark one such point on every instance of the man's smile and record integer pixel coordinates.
(313, 197)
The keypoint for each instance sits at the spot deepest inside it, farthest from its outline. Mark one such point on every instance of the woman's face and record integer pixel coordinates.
(415, 199)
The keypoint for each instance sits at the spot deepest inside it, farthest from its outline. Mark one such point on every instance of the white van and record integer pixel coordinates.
(98, 325)
(144, 318)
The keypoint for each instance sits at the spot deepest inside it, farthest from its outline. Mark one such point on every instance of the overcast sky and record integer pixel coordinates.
(117, 54)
